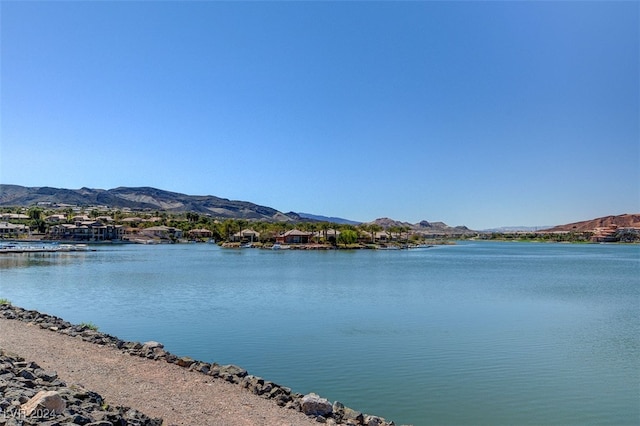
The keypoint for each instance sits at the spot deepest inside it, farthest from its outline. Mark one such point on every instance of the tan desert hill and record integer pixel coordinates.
(620, 221)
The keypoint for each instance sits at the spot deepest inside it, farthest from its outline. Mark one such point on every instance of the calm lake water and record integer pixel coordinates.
(476, 333)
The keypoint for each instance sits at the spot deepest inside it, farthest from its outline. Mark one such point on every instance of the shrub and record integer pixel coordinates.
(89, 325)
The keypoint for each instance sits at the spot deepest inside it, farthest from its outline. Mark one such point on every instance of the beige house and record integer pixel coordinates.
(12, 230)
(331, 234)
(246, 235)
(56, 218)
(200, 233)
(163, 232)
(13, 216)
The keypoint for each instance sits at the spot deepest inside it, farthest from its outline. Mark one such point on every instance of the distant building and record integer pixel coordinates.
(13, 216)
(8, 230)
(56, 218)
(246, 235)
(330, 234)
(162, 232)
(200, 233)
(295, 236)
(86, 231)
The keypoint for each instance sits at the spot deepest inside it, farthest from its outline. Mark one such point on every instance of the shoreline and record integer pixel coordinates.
(311, 406)
(40, 245)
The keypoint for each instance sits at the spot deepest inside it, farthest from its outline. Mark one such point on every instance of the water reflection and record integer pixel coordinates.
(25, 260)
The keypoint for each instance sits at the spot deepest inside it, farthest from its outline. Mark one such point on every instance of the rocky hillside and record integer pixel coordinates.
(424, 227)
(138, 199)
(621, 221)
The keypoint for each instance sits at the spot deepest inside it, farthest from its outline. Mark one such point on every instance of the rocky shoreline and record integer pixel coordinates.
(86, 407)
(33, 396)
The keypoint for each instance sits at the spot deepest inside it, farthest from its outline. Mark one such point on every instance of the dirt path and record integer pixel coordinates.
(158, 389)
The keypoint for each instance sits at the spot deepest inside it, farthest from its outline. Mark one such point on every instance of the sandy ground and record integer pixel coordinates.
(156, 388)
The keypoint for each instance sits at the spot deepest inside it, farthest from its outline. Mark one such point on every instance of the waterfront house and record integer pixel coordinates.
(86, 231)
(328, 234)
(162, 232)
(294, 236)
(12, 230)
(107, 232)
(200, 233)
(245, 235)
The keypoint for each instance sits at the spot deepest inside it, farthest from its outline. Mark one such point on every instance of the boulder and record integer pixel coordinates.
(185, 361)
(51, 401)
(313, 405)
(152, 345)
(234, 370)
(373, 421)
(201, 367)
(347, 414)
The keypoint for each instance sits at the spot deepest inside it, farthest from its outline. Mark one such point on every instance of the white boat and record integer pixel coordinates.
(278, 246)
(73, 247)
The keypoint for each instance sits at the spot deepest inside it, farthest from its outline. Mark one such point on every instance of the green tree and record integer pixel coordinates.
(193, 217)
(35, 213)
(69, 213)
(348, 236)
(228, 229)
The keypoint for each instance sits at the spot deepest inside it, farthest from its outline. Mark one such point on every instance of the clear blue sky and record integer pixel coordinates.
(473, 113)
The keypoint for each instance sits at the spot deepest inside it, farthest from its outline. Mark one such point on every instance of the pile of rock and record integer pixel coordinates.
(31, 395)
(311, 404)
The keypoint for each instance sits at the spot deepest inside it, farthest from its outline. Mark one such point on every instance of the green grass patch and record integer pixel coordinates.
(89, 325)
(4, 301)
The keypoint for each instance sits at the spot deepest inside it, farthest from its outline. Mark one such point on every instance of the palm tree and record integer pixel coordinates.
(365, 227)
(374, 228)
(324, 226)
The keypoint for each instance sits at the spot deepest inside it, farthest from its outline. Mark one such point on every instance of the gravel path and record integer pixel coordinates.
(156, 388)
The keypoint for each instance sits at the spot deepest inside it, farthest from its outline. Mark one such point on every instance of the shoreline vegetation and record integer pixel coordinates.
(67, 403)
(75, 224)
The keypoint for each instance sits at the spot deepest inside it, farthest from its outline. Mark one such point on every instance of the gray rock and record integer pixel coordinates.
(313, 405)
(27, 374)
(185, 361)
(54, 400)
(233, 370)
(373, 421)
(152, 345)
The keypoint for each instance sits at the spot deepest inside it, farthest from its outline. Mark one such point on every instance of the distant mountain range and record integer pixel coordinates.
(146, 198)
(143, 198)
(424, 226)
(320, 218)
(621, 221)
